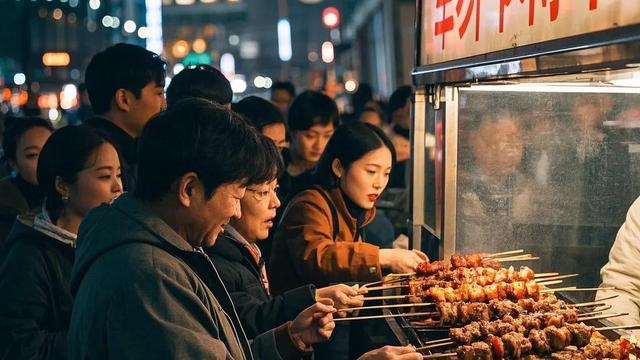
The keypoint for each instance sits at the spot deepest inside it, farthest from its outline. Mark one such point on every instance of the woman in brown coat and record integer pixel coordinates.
(319, 239)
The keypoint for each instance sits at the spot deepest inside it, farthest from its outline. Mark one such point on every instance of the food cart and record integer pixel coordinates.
(525, 128)
(525, 135)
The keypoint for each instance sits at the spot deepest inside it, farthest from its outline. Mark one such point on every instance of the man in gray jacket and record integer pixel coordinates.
(143, 287)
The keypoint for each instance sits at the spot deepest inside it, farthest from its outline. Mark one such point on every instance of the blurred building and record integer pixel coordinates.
(48, 44)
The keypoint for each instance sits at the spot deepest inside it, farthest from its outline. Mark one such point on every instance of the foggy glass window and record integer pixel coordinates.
(551, 173)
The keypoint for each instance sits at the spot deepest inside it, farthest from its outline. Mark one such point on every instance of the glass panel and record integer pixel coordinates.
(548, 168)
(433, 165)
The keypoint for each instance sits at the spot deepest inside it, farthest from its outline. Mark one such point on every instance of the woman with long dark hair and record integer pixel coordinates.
(78, 170)
(320, 238)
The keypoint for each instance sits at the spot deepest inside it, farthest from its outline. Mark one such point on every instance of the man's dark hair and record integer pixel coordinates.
(398, 99)
(121, 66)
(15, 128)
(66, 153)
(259, 112)
(284, 85)
(348, 144)
(201, 81)
(312, 108)
(201, 136)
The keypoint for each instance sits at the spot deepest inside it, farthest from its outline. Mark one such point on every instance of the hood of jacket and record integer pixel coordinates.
(125, 221)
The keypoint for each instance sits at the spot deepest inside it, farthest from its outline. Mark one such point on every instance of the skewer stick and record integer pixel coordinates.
(595, 312)
(519, 251)
(390, 306)
(522, 259)
(386, 297)
(427, 347)
(603, 316)
(573, 288)
(559, 277)
(587, 304)
(384, 281)
(436, 341)
(597, 302)
(385, 316)
(376, 288)
(402, 275)
(619, 327)
(513, 257)
(438, 356)
(541, 275)
(553, 282)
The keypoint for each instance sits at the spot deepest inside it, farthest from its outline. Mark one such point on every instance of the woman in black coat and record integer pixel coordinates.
(78, 170)
(242, 269)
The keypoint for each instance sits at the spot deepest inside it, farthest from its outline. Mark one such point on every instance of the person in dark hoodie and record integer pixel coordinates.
(78, 170)
(20, 193)
(143, 286)
(126, 87)
(242, 268)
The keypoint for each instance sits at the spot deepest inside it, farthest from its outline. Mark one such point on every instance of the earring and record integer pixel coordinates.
(65, 198)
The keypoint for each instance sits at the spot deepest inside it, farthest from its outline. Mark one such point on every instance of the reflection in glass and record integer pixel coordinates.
(552, 173)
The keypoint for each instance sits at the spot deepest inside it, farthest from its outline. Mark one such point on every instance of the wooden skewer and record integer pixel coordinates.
(385, 316)
(588, 304)
(540, 275)
(519, 251)
(597, 302)
(559, 277)
(596, 312)
(390, 306)
(438, 356)
(385, 281)
(386, 297)
(436, 341)
(553, 282)
(435, 346)
(523, 259)
(513, 257)
(603, 316)
(402, 275)
(376, 288)
(573, 288)
(619, 327)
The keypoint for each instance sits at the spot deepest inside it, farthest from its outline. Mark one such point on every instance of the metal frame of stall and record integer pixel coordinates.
(436, 89)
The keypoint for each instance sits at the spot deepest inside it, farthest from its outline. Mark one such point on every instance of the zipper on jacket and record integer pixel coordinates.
(226, 292)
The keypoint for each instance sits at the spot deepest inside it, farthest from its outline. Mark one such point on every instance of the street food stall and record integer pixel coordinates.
(525, 128)
(525, 137)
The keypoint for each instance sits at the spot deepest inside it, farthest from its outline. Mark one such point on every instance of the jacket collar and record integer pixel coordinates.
(336, 195)
(154, 224)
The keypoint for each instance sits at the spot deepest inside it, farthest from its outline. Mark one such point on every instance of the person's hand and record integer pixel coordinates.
(402, 146)
(314, 324)
(343, 297)
(392, 353)
(401, 261)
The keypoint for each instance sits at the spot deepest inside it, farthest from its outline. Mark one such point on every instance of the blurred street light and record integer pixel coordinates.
(130, 26)
(327, 52)
(180, 49)
(284, 40)
(56, 59)
(19, 78)
(331, 17)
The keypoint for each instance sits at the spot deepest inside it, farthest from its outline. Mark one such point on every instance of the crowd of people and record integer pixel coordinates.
(135, 234)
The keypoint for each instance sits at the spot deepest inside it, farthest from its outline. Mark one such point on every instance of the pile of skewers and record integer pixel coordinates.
(492, 312)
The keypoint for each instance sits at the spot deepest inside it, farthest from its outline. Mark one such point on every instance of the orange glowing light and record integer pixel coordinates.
(56, 59)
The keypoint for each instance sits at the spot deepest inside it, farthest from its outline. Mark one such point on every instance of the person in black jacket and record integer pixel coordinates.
(126, 87)
(20, 193)
(242, 268)
(78, 170)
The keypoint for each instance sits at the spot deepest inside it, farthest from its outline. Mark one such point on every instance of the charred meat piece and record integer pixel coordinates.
(539, 341)
(558, 337)
(581, 334)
